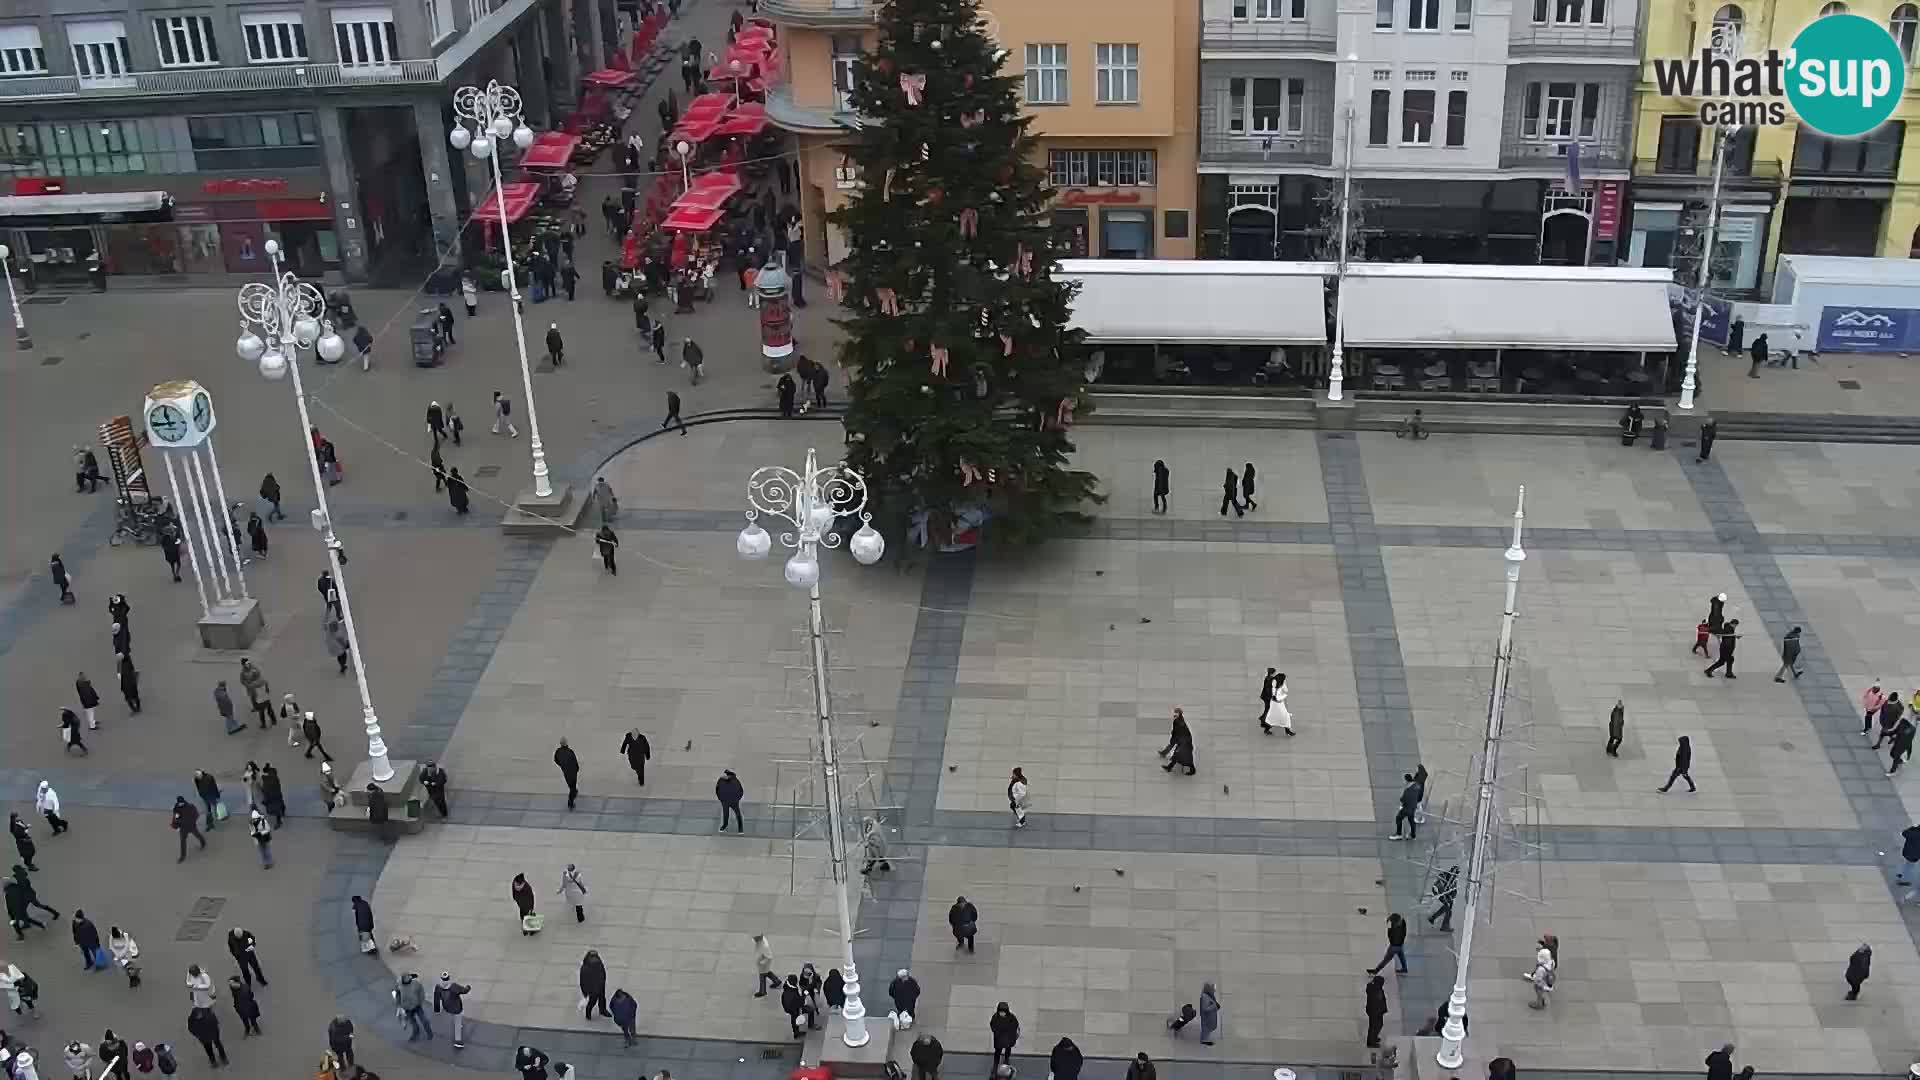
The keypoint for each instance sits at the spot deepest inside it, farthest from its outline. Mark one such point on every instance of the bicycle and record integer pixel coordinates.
(136, 521)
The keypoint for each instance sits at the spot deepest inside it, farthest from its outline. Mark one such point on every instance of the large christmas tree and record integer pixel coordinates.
(965, 379)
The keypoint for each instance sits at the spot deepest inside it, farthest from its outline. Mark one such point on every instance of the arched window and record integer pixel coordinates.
(1835, 8)
(1905, 26)
(1731, 19)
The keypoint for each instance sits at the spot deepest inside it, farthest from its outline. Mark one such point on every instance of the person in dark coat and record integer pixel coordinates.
(905, 992)
(1902, 748)
(186, 821)
(245, 1005)
(86, 937)
(522, 893)
(834, 990)
(1376, 1009)
(1717, 613)
(19, 915)
(1759, 352)
(729, 790)
(1890, 713)
(434, 778)
(89, 698)
(1162, 481)
(170, 549)
(1179, 748)
(457, 490)
(608, 543)
(450, 997)
(1396, 946)
(205, 786)
(1682, 765)
(272, 799)
(569, 764)
(925, 1055)
(531, 1063)
(1729, 636)
(437, 464)
(593, 983)
(1859, 966)
(70, 733)
(270, 492)
(794, 1004)
(1720, 1062)
(205, 1026)
(58, 571)
(1065, 1060)
(245, 950)
(626, 1014)
(129, 681)
(1229, 495)
(788, 390)
(112, 1047)
(1630, 424)
(380, 815)
(362, 918)
(1141, 1068)
(964, 920)
(340, 1036)
(445, 317)
(1709, 431)
(310, 731)
(1246, 487)
(556, 345)
(1005, 1028)
(637, 750)
(1789, 656)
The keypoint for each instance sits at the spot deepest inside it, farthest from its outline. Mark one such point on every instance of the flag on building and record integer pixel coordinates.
(1573, 166)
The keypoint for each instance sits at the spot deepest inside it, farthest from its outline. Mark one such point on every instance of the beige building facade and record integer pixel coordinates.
(1112, 88)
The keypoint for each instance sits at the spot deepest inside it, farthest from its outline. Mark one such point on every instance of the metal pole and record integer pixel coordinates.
(192, 556)
(854, 1012)
(209, 528)
(20, 336)
(1336, 376)
(1688, 381)
(1454, 1033)
(220, 485)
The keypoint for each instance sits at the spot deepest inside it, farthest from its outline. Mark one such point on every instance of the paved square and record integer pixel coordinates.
(1824, 487)
(1286, 471)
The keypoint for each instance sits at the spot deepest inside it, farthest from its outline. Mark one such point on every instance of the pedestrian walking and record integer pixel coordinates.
(223, 704)
(556, 345)
(1717, 613)
(569, 764)
(1859, 966)
(469, 295)
(89, 699)
(1410, 797)
(1720, 1062)
(1396, 946)
(1758, 350)
(1005, 1028)
(925, 1054)
(1789, 656)
(1682, 765)
(1616, 727)
(1066, 1060)
(58, 571)
(79, 1058)
(310, 731)
(436, 423)
(121, 612)
(574, 890)
(126, 954)
(113, 1049)
(259, 692)
(1209, 1006)
(1871, 701)
(729, 790)
(821, 376)
(834, 990)
(521, 891)
(963, 918)
(245, 1006)
(204, 1025)
(626, 1015)
(637, 751)
(695, 359)
(1541, 978)
(1162, 484)
(186, 822)
(380, 814)
(1017, 792)
(763, 966)
(363, 924)
(1376, 1009)
(1229, 495)
(531, 1063)
(1246, 487)
(608, 543)
(47, 801)
(22, 840)
(20, 900)
(1178, 751)
(794, 1004)
(503, 415)
(129, 681)
(245, 950)
(334, 633)
(1266, 701)
(457, 490)
(262, 834)
(1902, 745)
(444, 316)
(208, 789)
(873, 837)
(340, 1039)
(608, 501)
(86, 471)
(170, 549)
(904, 990)
(270, 494)
(1729, 635)
(434, 779)
(329, 592)
(450, 997)
(70, 735)
(569, 278)
(1890, 714)
(673, 413)
(199, 987)
(658, 339)
(86, 938)
(273, 800)
(1141, 1068)
(1709, 431)
(1446, 888)
(410, 998)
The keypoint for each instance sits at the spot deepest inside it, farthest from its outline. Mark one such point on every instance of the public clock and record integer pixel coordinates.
(180, 414)
(167, 423)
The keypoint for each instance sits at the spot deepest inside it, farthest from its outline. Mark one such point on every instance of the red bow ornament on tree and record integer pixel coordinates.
(1006, 344)
(969, 475)
(939, 360)
(969, 222)
(1063, 415)
(913, 86)
(1022, 260)
(889, 301)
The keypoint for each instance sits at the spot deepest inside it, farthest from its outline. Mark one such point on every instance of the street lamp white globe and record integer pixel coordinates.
(272, 248)
(460, 137)
(502, 127)
(754, 542)
(821, 517)
(867, 545)
(331, 346)
(273, 366)
(803, 571)
(306, 329)
(482, 148)
(4, 252)
(523, 136)
(250, 347)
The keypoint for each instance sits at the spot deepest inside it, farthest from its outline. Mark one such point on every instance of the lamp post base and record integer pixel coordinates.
(22, 339)
(406, 799)
(549, 515)
(232, 625)
(867, 1060)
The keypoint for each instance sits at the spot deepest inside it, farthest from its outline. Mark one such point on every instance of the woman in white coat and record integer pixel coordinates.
(575, 892)
(47, 801)
(1280, 711)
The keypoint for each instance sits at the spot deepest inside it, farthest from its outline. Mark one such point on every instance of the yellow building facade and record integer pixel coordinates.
(1113, 88)
(1786, 189)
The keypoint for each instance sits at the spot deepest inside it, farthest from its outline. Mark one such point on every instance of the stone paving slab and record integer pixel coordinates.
(1286, 485)
(1824, 487)
(1078, 654)
(1600, 627)
(1571, 483)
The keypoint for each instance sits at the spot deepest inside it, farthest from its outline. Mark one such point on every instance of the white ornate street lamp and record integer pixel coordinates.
(20, 335)
(1336, 368)
(813, 500)
(1725, 46)
(495, 114)
(279, 320)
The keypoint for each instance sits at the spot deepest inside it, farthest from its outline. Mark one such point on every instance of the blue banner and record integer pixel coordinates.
(1716, 321)
(1869, 329)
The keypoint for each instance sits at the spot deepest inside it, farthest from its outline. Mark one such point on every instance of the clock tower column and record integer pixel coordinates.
(180, 419)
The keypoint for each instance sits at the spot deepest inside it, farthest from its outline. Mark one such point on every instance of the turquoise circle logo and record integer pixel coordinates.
(1846, 75)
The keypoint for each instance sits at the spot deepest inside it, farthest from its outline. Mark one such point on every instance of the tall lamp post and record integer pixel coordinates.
(1453, 1034)
(20, 336)
(812, 501)
(1726, 46)
(494, 113)
(1335, 373)
(277, 321)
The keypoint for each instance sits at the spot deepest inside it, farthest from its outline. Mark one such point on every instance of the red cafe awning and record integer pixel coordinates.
(608, 77)
(519, 198)
(551, 150)
(715, 103)
(742, 124)
(692, 219)
(725, 70)
(694, 129)
(753, 33)
(710, 191)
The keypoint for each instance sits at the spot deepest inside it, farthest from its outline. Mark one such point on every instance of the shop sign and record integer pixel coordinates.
(1607, 197)
(244, 185)
(1840, 191)
(1868, 329)
(1738, 228)
(1102, 196)
(846, 178)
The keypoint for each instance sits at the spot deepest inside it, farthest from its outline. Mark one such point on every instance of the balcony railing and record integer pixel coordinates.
(822, 13)
(1768, 170)
(1534, 39)
(1516, 153)
(1266, 148)
(1253, 35)
(225, 80)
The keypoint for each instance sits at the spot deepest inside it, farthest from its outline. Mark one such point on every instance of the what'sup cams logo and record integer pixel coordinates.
(1843, 76)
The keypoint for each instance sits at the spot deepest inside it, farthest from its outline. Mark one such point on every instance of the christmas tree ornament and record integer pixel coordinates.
(913, 86)
(1063, 414)
(1006, 344)
(935, 45)
(1023, 260)
(939, 360)
(969, 222)
(973, 119)
(836, 286)
(934, 195)
(966, 80)
(889, 301)
(886, 187)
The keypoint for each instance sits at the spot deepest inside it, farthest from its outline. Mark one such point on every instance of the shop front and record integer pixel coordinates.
(1834, 218)
(1105, 223)
(67, 236)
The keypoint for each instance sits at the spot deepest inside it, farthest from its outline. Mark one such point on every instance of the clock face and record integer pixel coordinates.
(167, 423)
(202, 411)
